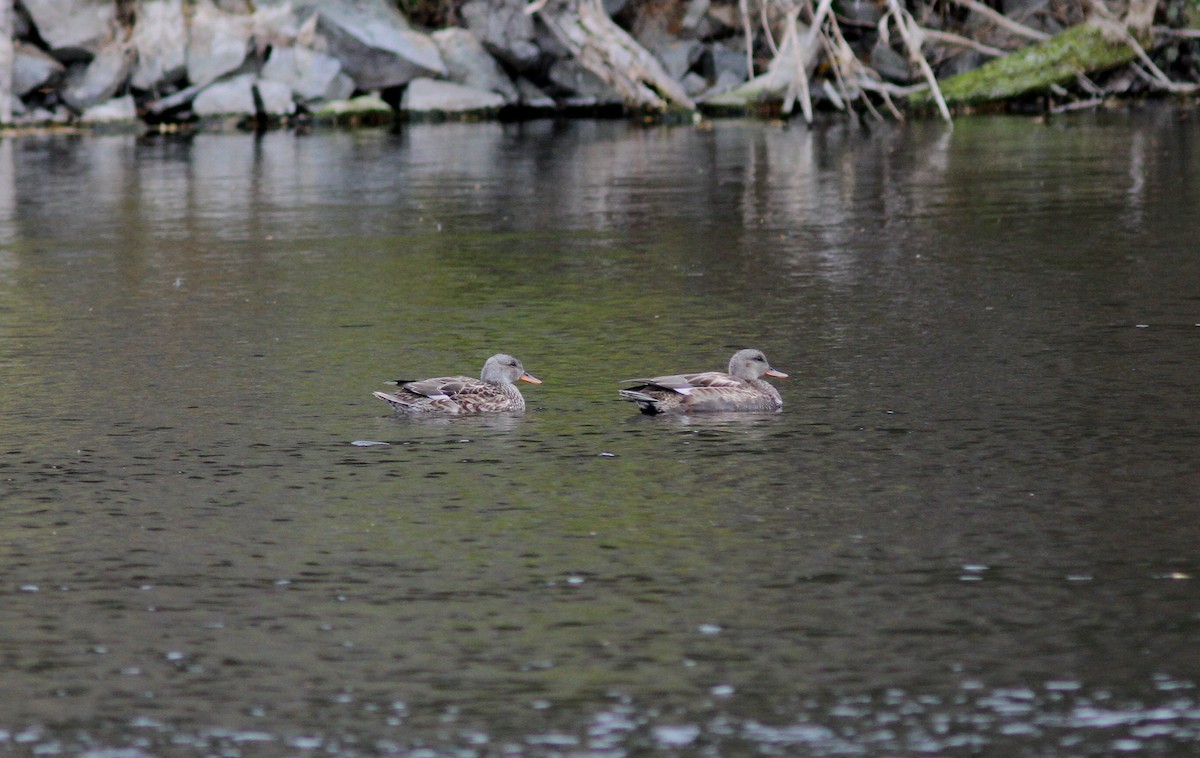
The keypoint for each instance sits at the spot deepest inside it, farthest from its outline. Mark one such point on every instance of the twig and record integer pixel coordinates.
(949, 38)
(766, 25)
(1166, 31)
(1156, 73)
(1003, 21)
(1087, 85)
(744, 7)
(909, 32)
(1078, 105)
(887, 88)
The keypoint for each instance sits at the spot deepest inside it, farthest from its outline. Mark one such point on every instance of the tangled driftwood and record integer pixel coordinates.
(811, 55)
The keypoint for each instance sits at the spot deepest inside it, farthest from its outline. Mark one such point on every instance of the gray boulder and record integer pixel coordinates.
(33, 68)
(235, 97)
(532, 96)
(694, 84)
(99, 80)
(117, 110)
(729, 61)
(374, 43)
(467, 63)
(218, 42)
(309, 74)
(677, 56)
(504, 29)
(890, 64)
(580, 86)
(276, 97)
(73, 29)
(433, 96)
(159, 38)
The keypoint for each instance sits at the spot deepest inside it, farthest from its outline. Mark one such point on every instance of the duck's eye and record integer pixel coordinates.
(759, 358)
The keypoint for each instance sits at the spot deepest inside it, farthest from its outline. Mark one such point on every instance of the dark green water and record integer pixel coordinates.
(973, 528)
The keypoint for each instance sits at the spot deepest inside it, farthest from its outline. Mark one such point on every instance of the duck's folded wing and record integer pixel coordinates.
(714, 379)
(442, 386)
(675, 383)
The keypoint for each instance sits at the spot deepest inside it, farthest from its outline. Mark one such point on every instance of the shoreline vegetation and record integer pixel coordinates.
(171, 65)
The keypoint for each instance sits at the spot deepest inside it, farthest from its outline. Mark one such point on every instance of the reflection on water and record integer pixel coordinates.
(972, 527)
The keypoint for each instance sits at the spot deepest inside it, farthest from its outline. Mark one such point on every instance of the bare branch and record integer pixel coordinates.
(999, 19)
(1161, 79)
(949, 38)
(1078, 105)
(910, 33)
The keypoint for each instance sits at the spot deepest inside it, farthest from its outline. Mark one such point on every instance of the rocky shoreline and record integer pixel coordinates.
(164, 63)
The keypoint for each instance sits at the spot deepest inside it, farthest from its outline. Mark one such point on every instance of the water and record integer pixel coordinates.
(973, 528)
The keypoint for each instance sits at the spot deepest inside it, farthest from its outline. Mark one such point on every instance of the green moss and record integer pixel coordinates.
(1035, 68)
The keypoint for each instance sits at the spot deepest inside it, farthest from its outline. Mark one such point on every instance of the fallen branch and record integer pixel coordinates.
(949, 38)
(1078, 105)
(1166, 31)
(910, 33)
(999, 19)
(1080, 49)
(1159, 78)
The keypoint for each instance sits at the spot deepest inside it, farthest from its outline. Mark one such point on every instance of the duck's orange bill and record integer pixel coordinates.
(530, 378)
(773, 372)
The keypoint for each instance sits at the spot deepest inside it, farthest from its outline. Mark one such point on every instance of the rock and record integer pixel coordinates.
(694, 84)
(613, 7)
(33, 68)
(277, 98)
(890, 64)
(677, 56)
(505, 30)
(32, 116)
(426, 96)
(117, 110)
(726, 81)
(99, 80)
(861, 12)
(376, 47)
(233, 96)
(580, 86)
(236, 96)
(531, 96)
(159, 38)
(696, 10)
(468, 64)
(728, 62)
(309, 74)
(73, 29)
(218, 42)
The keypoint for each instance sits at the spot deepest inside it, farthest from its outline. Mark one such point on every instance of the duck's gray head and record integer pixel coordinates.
(752, 364)
(502, 368)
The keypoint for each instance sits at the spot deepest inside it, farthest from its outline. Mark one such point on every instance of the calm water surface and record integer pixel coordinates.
(974, 528)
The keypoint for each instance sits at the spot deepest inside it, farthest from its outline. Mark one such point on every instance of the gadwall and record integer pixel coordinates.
(741, 389)
(493, 392)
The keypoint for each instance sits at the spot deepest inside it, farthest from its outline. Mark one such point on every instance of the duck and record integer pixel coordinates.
(493, 392)
(740, 389)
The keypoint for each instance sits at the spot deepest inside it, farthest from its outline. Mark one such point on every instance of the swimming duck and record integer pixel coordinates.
(741, 389)
(492, 392)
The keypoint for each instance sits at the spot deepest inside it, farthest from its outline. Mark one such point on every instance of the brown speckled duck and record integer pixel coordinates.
(492, 392)
(741, 389)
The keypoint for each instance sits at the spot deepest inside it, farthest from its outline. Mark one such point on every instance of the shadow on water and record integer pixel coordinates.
(971, 529)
